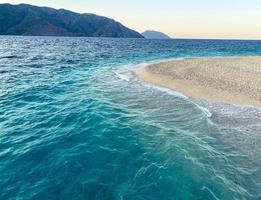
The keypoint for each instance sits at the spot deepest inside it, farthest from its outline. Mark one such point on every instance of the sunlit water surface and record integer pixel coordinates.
(77, 123)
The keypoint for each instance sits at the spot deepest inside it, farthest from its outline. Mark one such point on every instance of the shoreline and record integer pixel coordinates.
(233, 80)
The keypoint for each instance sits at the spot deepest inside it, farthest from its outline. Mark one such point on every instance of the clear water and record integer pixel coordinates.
(76, 123)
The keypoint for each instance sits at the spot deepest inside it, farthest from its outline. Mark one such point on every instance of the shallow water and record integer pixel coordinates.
(77, 123)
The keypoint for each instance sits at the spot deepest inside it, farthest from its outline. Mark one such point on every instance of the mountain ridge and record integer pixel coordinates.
(25, 19)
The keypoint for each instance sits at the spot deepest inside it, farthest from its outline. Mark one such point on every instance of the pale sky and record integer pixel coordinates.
(229, 19)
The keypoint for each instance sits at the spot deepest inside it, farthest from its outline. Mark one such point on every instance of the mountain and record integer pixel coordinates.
(24, 19)
(155, 35)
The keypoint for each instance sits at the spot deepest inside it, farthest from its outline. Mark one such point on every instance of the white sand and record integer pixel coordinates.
(229, 80)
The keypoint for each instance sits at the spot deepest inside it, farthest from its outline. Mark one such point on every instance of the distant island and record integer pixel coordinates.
(24, 19)
(155, 35)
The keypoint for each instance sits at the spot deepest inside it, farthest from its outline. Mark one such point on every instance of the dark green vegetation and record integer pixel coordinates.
(25, 19)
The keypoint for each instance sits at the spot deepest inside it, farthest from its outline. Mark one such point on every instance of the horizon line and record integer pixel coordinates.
(224, 39)
(103, 15)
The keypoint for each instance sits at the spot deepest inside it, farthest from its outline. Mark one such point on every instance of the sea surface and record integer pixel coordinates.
(77, 123)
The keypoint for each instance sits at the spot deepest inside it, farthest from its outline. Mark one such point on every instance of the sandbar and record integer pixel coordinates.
(234, 80)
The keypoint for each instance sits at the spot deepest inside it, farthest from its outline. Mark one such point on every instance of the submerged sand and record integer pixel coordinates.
(228, 80)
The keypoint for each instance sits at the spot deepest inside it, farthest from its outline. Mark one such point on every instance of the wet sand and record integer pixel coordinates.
(228, 80)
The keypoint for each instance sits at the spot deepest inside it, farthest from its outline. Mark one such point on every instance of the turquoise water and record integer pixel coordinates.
(77, 123)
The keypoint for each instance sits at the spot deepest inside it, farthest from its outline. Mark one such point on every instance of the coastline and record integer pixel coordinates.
(233, 80)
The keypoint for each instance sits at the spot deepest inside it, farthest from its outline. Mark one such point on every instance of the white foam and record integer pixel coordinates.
(126, 74)
(166, 90)
(205, 110)
(122, 76)
(134, 66)
(210, 191)
(180, 95)
(247, 106)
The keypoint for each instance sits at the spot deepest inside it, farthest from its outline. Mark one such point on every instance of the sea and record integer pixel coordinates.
(77, 123)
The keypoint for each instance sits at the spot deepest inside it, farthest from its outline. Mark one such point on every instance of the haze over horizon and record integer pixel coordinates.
(210, 19)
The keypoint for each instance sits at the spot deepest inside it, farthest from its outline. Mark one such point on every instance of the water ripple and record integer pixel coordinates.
(76, 123)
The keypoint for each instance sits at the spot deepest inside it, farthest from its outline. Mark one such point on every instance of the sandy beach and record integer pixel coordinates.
(228, 80)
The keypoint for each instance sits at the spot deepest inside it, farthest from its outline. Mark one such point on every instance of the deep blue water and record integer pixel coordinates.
(76, 123)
